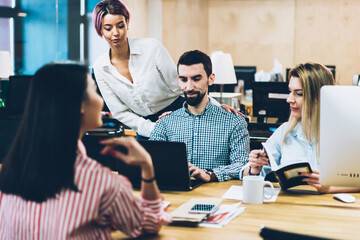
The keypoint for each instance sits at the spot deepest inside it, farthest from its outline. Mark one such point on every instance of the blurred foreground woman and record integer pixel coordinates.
(50, 189)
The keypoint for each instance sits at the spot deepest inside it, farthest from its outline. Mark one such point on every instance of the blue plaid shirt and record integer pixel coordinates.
(215, 139)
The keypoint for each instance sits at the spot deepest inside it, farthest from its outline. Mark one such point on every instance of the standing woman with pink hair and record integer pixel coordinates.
(137, 77)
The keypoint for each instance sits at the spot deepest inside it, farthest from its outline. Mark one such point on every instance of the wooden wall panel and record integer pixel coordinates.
(253, 31)
(328, 31)
(138, 21)
(257, 31)
(185, 26)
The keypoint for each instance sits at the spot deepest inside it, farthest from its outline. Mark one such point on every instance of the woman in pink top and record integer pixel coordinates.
(50, 189)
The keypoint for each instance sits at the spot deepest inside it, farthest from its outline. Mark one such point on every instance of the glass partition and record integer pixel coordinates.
(6, 34)
(6, 3)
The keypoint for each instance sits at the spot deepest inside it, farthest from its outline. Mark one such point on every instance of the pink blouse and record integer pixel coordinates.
(105, 201)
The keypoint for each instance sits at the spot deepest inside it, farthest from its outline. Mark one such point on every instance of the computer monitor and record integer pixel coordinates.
(340, 136)
(245, 73)
(16, 96)
(332, 69)
(269, 100)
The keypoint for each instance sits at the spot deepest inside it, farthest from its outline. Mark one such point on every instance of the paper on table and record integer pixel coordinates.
(222, 216)
(236, 193)
(165, 205)
(182, 213)
(272, 161)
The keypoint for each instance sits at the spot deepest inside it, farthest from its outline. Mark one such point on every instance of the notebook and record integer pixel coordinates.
(169, 160)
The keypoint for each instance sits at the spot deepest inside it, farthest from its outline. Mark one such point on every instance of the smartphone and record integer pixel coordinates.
(203, 208)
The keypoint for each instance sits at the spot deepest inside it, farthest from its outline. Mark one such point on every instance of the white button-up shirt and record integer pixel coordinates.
(154, 84)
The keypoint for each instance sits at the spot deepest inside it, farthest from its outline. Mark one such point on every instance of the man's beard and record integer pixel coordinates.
(194, 101)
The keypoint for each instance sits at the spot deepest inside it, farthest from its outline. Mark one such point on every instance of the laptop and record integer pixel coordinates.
(169, 160)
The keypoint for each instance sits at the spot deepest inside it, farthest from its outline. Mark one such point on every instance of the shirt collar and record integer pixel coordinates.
(81, 148)
(134, 49)
(298, 133)
(208, 106)
(107, 62)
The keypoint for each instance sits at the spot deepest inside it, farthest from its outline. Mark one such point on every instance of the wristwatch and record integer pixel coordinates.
(212, 175)
(250, 172)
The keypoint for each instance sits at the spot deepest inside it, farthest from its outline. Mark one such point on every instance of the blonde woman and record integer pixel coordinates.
(298, 139)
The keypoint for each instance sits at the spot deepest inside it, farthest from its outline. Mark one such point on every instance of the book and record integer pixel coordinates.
(224, 214)
(288, 176)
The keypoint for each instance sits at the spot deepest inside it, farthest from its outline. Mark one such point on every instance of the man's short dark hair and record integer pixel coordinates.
(195, 57)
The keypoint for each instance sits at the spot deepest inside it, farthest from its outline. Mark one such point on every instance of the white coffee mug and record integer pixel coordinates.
(253, 189)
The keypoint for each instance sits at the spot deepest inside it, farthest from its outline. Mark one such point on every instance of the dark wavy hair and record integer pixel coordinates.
(41, 161)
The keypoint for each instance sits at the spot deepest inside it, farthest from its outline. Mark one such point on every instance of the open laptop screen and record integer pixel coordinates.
(169, 160)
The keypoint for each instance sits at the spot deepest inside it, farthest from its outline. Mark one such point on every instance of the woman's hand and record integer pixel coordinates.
(131, 152)
(231, 109)
(163, 115)
(128, 150)
(257, 159)
(313, 180)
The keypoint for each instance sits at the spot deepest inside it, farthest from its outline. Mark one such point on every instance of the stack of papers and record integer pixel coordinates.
(181, 214)
(222, 216)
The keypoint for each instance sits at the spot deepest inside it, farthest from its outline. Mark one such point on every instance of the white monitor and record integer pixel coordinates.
(340, 136)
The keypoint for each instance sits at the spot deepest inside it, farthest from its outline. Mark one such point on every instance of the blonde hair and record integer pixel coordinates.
(312, 76)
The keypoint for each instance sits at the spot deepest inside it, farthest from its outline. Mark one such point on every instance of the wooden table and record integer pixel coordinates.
(303, 211)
